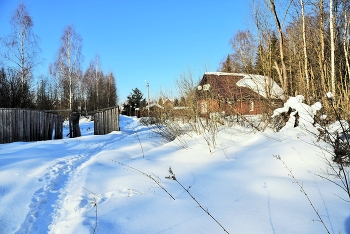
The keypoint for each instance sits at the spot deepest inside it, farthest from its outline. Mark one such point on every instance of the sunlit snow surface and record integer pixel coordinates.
(51, 186)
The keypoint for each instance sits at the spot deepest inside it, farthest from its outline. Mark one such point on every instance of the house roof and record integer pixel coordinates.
(238, 85)
(154, 105)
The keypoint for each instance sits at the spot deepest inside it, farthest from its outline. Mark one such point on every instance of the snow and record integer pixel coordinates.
(52, 186)
(330, 95)
(155, 105)
(262, 85)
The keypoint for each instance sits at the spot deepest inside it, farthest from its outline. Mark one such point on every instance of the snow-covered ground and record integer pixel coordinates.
(72, 185)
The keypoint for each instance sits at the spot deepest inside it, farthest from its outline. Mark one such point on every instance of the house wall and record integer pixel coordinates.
(242, 107)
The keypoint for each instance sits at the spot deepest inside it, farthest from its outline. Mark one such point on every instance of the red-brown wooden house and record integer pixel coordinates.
(234, 93)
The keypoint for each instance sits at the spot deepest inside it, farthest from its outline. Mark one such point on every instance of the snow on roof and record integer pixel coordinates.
(258, 83)
(156, 105)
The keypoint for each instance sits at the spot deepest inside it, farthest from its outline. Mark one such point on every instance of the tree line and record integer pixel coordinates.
(68, 86)
(303, 45)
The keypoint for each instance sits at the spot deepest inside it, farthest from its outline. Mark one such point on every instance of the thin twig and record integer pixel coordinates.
(95, 205)
(92, 192)
(303, 191)
(172, 177)
(142, 173)
(143, 154)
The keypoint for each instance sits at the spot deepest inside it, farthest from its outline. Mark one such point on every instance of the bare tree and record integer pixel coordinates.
(331, 26)
(93, 77)
(346, 36)
(67, 66)
(321, 53)
(97, 78)
(110, 91)
(244, 50)
(266, 43)
(304, 45)
(283, 74)
(22, 43)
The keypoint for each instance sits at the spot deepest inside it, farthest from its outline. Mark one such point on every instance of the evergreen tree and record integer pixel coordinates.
(182, 101)
(226, 66)
(13, 92)
(259, 66)
(44, 97)
(134, 98)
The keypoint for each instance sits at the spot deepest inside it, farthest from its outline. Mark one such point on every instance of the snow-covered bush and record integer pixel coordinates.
(295, 113)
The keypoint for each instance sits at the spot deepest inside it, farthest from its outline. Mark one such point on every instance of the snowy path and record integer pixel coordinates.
(53, 166)
(55, 180)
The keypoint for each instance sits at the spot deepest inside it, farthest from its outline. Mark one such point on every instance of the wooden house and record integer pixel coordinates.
(233, 93)
(168, 104)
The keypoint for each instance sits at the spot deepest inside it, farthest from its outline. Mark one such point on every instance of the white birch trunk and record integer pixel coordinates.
(304, 47)
(69, 71)
(346, 50)
(331, 22)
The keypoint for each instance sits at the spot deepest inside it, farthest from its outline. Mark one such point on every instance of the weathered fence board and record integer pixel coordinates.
(29, 125)
(106, 121)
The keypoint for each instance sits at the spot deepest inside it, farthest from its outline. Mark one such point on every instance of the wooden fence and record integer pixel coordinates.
(29, 125)
(106, 121)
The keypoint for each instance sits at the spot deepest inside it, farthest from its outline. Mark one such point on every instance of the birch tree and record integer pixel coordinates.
(21, 55)
(304, 46)
(321, 58)
(331, 26)
(22, 44)
(97, 77)
(346, 37)
(68, 63)
(93, 79)
(244, 50)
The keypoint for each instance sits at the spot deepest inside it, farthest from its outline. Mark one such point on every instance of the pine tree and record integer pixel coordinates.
(226, 66)
(134, 98)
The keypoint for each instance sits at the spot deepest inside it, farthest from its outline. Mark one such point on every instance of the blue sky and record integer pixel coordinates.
(138, 40)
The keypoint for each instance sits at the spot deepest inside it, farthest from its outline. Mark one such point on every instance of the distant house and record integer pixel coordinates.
(155, 107)
(234, 93)
(168, 104)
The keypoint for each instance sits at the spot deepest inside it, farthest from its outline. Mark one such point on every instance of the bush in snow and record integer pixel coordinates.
(295, 113)
(337, 134)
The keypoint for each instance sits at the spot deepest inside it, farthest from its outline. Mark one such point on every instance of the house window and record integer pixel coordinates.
(204, 107)
(206, 87)
(251, 106)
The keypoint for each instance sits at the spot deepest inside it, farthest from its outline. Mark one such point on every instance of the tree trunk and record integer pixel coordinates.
(321, 57)
(331, 24)
(304, 48)
(281, 43)
(346, 51)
